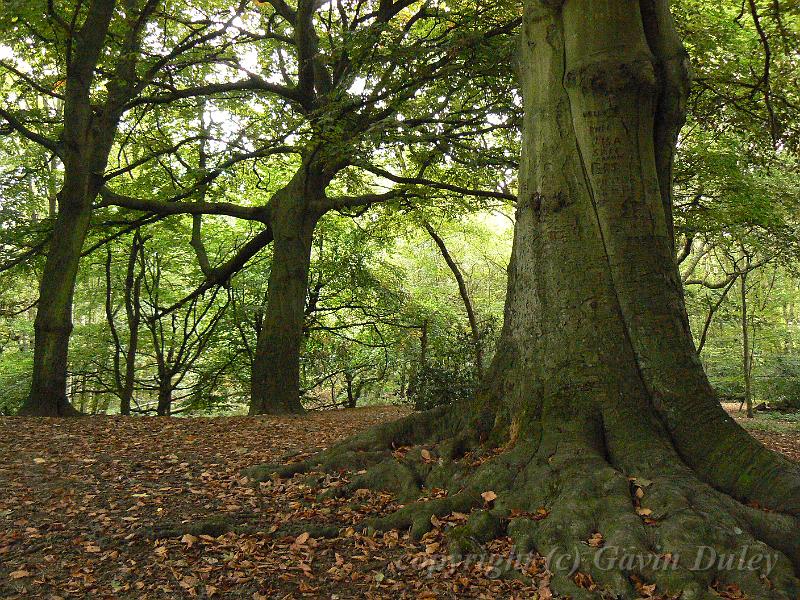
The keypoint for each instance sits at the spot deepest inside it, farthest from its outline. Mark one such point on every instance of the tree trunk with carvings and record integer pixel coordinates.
(596, 408)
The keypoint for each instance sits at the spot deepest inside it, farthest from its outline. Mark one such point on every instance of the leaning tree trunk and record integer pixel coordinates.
(275, 383)
(596, 416)
(465, 297)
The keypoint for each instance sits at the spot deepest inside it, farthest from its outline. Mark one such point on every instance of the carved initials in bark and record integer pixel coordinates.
(596, 382)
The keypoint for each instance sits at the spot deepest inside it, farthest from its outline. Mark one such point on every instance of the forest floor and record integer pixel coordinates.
(111, 507)
(775, 430)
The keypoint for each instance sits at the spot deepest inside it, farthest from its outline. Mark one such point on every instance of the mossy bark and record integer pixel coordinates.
(86, 142)
(53, 324)
(596, 415)
(275, 383)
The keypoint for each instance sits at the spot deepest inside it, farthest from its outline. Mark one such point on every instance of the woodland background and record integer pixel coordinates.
(385, 319)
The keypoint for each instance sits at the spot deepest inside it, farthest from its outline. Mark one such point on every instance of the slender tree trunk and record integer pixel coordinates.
(418, 370)
(133, 310)
(423, 345)
(403, 378)
(746, 355)
(275, 384)
(465, 298)
(712, 310)
(82, 394)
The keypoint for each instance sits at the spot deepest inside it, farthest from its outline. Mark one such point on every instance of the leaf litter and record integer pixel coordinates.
(109, 507)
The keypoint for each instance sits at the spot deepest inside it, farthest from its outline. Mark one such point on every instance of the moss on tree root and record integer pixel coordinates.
(622, 522)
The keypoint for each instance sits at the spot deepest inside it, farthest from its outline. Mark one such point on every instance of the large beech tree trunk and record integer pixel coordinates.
(596, 408)
(613, 336)
(275, 383)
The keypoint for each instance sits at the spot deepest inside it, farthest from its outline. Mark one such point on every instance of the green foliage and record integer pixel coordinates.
(442, 384)
(448, 375)
(15, 376)
(782, 383)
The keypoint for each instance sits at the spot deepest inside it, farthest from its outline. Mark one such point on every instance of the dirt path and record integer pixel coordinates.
(80, 501)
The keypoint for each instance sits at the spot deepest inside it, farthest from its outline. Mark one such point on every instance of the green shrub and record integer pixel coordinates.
(15, 380)
(782, 383)
(442, 383)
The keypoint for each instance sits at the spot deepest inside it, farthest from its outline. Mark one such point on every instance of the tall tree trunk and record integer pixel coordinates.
(275, 384)
(133, 311)
(746, 354)
(124, 379)
(418, 369)
(82, 394)
(596, 408)
(53, 324)
(87, 141)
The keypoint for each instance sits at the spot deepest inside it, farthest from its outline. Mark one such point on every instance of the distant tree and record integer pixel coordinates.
(124, 375)
(99, 61)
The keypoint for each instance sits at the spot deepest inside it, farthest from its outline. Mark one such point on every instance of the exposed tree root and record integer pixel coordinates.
(214, 526)
(608, 524)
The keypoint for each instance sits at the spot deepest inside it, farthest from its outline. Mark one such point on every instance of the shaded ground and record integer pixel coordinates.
(109, 507)
(778, 431)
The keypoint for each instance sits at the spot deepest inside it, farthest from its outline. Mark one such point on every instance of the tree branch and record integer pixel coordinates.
(436, 184)
(252, 83)
(165, 207)
(37, 138)
(341, 202)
